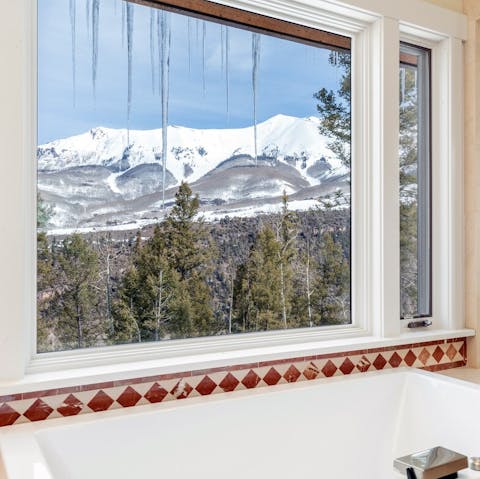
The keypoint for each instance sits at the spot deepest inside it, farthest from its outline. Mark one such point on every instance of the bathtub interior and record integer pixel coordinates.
(440, 412)
(339, 428)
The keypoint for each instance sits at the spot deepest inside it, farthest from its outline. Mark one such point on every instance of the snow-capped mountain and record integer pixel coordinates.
(108, 178)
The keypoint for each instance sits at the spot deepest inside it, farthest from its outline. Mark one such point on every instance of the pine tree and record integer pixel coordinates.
(330, 297)
(79, 322)
(334, 110)
(190, 253)
(46, 295)
(186, 238)
(44, 212)
(126, 328)
(166, 292)
(149, 286)
(258, 302)
(108, 254)
(303, 285)
(286, 236)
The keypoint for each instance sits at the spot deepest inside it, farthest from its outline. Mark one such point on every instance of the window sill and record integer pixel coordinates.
(37, 381)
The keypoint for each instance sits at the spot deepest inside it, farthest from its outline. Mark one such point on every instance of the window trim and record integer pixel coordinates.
(205, 9)
(375, 216)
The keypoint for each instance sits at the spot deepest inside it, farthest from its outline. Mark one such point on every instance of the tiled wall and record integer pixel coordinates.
(41, 405)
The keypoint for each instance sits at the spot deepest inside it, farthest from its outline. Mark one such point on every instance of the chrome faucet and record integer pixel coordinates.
(434, 463)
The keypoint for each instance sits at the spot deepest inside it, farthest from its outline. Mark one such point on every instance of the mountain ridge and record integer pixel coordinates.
(106, 175)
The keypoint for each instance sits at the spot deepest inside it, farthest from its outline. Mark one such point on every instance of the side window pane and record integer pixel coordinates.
(415, 182)
(193, 175)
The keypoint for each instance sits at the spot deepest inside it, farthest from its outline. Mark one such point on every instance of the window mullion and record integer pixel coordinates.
(447, 159)
(384, 261)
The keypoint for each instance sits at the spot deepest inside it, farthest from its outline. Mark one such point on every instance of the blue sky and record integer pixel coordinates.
(289, 73)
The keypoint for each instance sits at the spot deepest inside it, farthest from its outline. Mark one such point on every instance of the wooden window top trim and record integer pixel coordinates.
(408, 59)
(236, 17)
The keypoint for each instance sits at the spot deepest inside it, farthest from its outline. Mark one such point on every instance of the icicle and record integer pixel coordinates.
(88, 17)
(73, 24)
(95, 21)
(255, 63)
(165, 74)
(204, 34)
(124, 16)
(222, 43)
(152, 47)
(227, 79)
(189, 44)
(159, 42)
(129, 67)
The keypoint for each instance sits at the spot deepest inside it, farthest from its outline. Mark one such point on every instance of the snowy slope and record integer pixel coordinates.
(100, 177)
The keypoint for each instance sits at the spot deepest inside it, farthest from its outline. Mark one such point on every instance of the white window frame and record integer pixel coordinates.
(376, 28)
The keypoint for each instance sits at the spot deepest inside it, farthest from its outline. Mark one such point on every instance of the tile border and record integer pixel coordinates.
(101, 396)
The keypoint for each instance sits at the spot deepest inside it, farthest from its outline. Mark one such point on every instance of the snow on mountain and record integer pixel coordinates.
(106, 176)
(202, 150)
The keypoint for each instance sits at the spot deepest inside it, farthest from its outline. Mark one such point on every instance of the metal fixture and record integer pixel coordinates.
(419, 324)
(434, 463)
(474, 463)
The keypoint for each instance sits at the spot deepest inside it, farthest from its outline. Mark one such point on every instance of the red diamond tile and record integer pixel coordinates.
(410, 358)
(363, 364)
(292, 374)
(156, 394)
(38, 411)
(206, 386)
(423, 356)
(251, 379)
(71, 406)
(379, 362)
(329, 369)
(8, 415)
(395, 360)
(229, 383)
(311, 371)
(463, 350)
(438, 354)
(100, 402)
(347, 366)
(181, 390)
(129, 397)
(272, 377)
(451, 352)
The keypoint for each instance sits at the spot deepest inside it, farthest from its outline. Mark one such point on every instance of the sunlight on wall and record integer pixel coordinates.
(456, 5)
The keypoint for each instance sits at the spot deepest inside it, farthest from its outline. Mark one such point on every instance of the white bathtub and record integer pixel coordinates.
(338, 428)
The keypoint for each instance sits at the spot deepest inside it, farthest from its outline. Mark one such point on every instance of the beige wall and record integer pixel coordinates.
(472, 177)
(456, 5)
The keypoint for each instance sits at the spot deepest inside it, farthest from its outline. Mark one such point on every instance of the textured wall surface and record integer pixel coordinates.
(472, 175)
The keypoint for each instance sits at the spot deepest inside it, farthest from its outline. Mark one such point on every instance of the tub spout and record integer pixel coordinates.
(434, 463)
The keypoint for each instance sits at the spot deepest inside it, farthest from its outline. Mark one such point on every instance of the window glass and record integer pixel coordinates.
(415, 202)
(193, 176)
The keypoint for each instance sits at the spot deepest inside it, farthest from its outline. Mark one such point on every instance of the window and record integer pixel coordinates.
(415, 179)
(374, 177)
(193, 174)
